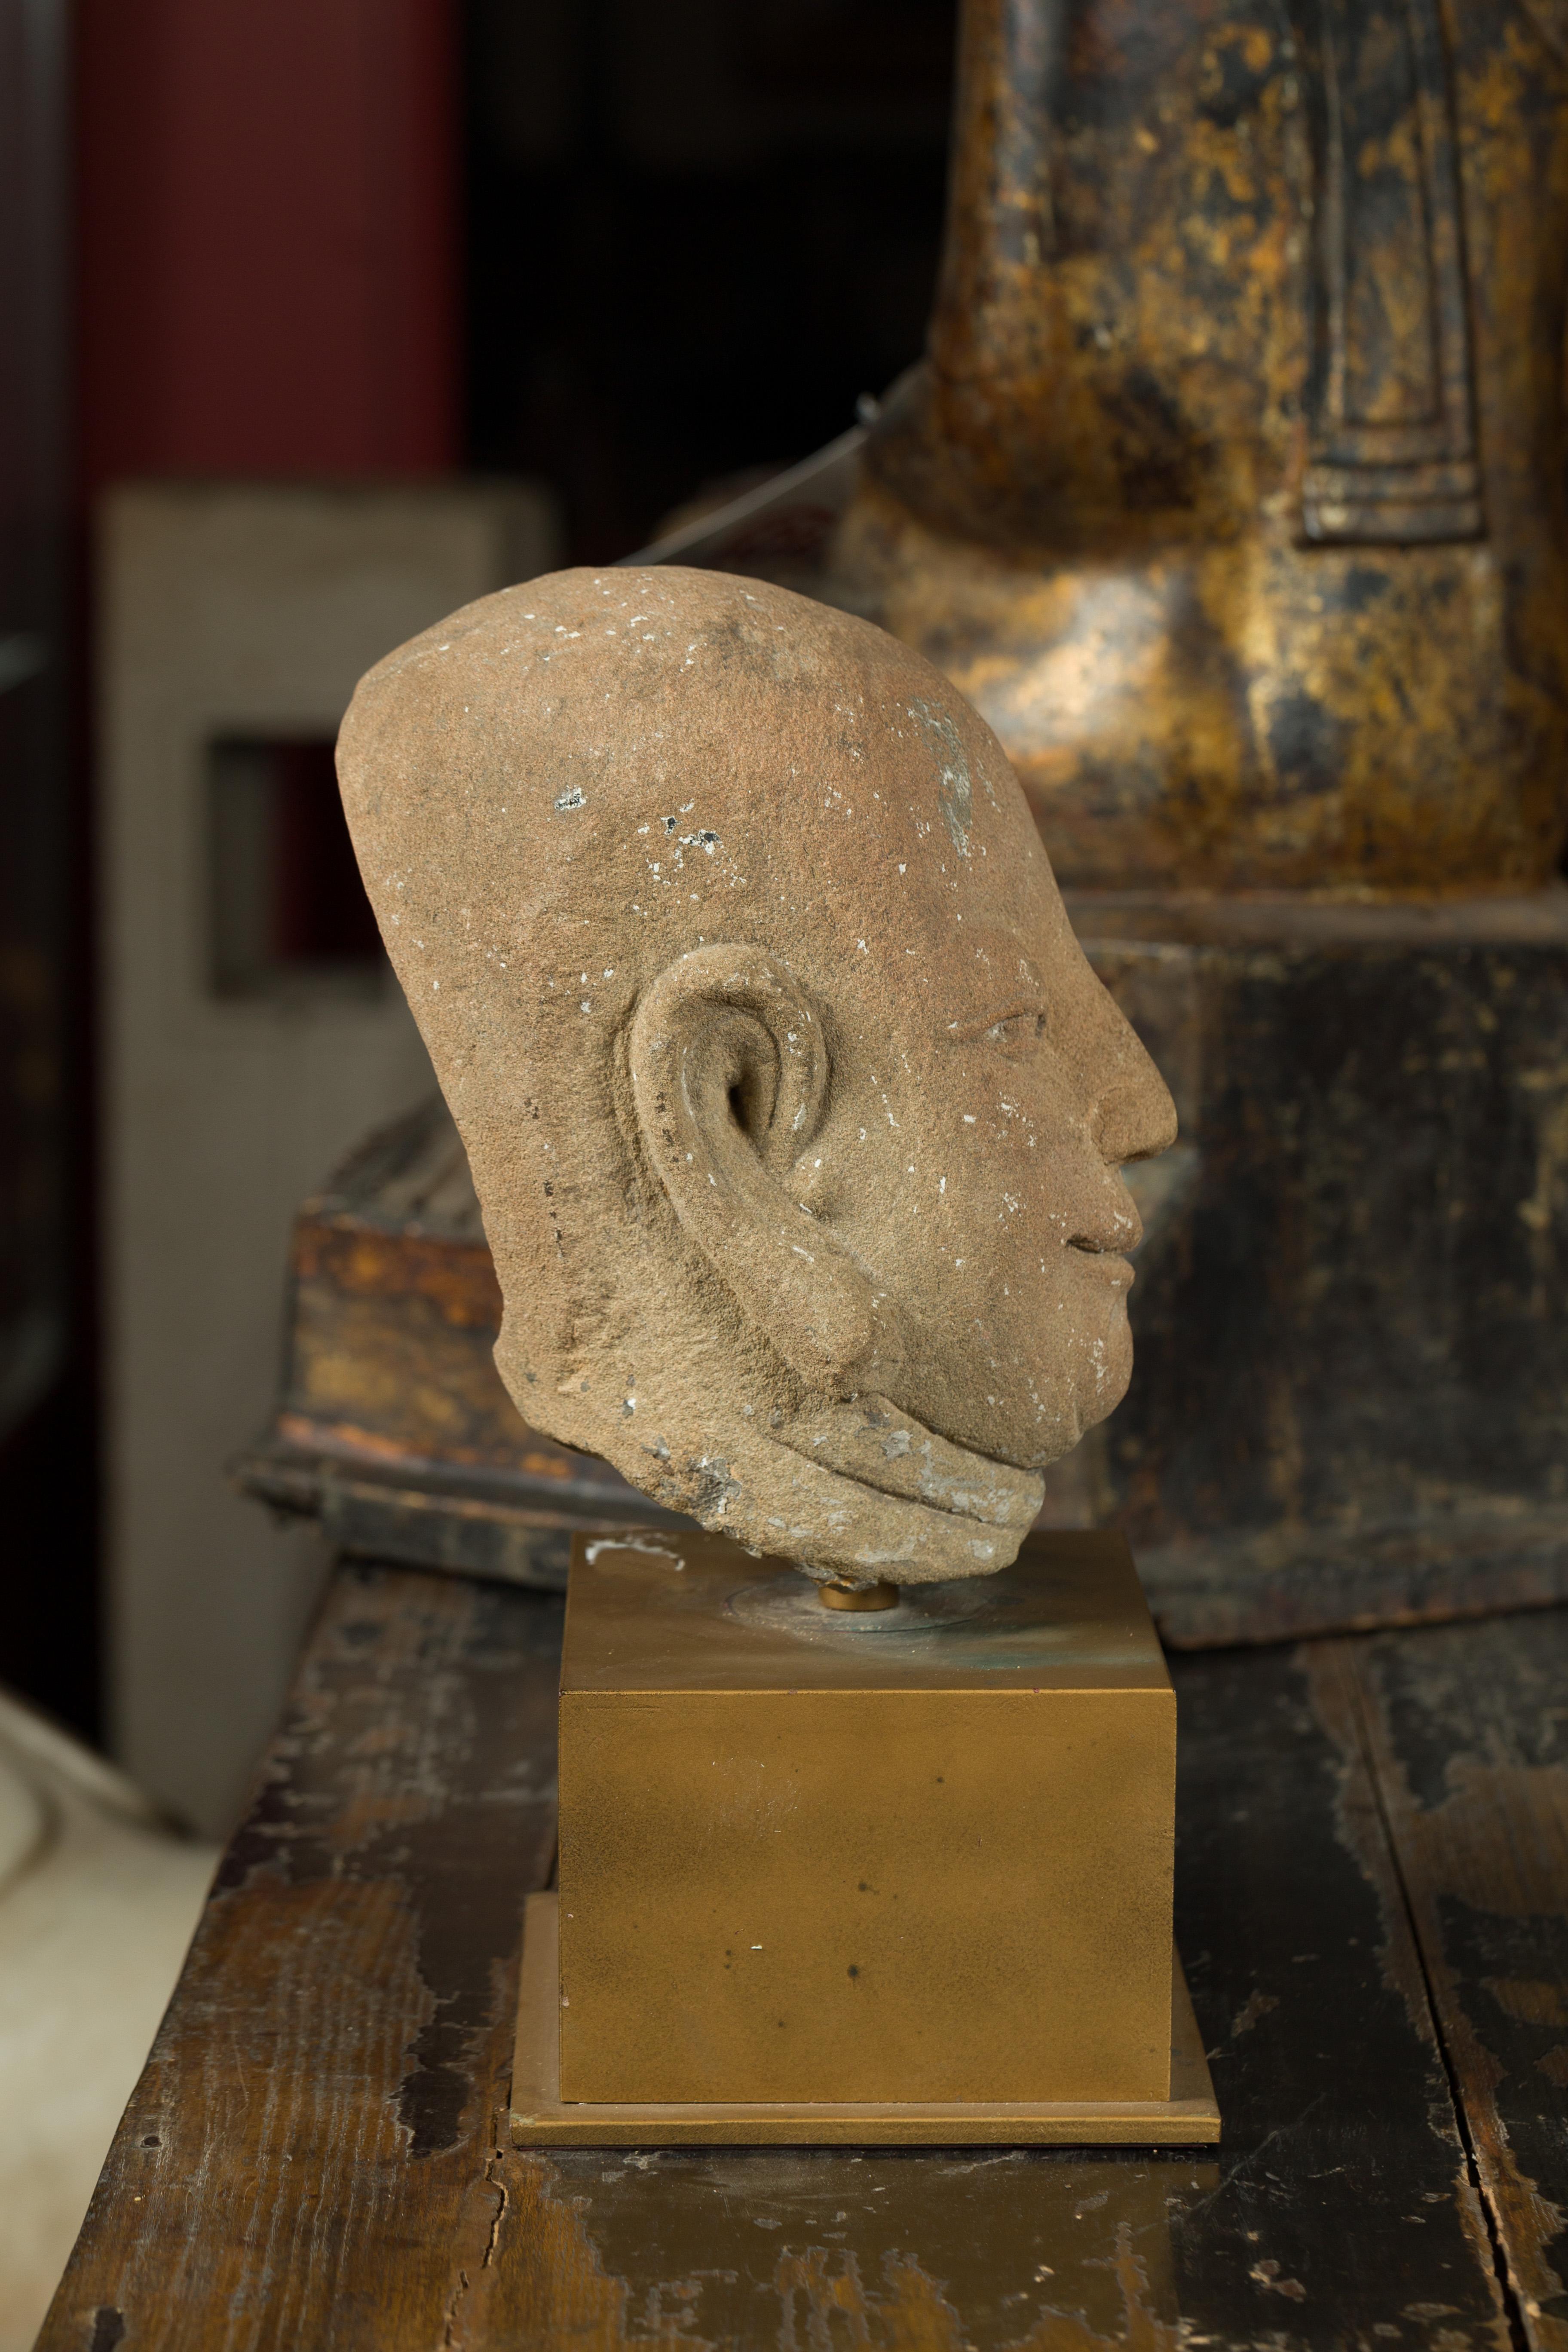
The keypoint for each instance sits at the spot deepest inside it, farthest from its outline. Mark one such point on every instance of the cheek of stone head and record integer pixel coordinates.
(667, 863)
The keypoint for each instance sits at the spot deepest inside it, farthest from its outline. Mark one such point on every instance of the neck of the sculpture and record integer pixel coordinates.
(858, 1491)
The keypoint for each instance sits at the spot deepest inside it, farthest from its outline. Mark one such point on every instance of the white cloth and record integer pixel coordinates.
(97, 1900)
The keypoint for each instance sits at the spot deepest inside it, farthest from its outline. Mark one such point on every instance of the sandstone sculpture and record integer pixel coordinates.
(793, 1104)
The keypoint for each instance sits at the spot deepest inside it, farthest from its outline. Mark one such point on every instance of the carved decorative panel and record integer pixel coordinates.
(1393, 447)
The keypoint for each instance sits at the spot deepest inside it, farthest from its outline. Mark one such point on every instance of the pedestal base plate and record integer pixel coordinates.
(541, 2118)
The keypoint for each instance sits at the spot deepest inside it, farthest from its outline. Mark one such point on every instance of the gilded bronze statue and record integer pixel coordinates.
(1231, 486)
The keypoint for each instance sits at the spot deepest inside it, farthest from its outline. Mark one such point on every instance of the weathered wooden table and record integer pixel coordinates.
(1372, 1904)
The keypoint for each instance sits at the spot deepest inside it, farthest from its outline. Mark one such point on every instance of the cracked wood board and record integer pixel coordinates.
(1468, 1728)
(1346, 2213)
(315, 2154)
(305, 2160)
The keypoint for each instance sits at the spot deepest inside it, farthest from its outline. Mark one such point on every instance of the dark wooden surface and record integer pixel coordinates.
(1373, 1897)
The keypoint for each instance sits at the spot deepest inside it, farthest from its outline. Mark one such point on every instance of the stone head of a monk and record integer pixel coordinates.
(794, 1107)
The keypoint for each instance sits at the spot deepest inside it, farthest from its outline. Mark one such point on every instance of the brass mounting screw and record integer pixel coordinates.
(858, 1597)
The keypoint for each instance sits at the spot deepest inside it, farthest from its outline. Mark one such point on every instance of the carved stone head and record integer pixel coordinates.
(794, 1107)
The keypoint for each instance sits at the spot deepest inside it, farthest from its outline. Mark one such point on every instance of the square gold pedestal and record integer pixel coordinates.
(892, 1876)
(541, 2118)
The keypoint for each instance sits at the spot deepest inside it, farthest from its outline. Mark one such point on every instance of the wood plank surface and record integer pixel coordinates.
(315, 2154)
(1346, 2194)
(1468, 1728)
(306, 2160)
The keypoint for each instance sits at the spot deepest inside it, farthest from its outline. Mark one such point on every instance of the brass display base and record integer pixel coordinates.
(919, 1854)
(541, 2118)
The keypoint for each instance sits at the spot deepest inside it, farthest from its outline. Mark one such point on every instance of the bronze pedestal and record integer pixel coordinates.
(896, 1876)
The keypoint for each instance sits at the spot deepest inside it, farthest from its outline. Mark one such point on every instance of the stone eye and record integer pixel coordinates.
(1016, 1032)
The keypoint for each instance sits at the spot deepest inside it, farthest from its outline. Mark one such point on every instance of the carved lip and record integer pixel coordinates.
(1110, 1265)
(1114, 1246)
(1117, 1236)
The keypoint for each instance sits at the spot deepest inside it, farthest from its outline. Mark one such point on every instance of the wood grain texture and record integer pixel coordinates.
(313, 2157)
(1346, 2208)
(1468, 1728)
(306, 2158)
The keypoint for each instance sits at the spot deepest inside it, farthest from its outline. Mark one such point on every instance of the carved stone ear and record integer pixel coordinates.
(729, 1074)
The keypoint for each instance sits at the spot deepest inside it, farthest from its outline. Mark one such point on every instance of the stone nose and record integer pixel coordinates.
(1133, 1117)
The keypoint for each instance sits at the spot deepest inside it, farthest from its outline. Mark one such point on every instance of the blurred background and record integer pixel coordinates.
(327, 317)
(323, 317)
(1235, 497)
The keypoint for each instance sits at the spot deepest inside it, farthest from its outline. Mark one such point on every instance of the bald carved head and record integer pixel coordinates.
(794, 1107)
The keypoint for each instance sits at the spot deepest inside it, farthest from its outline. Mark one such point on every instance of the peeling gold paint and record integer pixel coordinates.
(1086, 505)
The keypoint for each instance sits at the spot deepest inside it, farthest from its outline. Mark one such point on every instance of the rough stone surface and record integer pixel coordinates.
(794, 1107)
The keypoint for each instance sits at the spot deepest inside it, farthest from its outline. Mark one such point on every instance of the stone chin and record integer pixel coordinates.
(859, 1491)
(1103, 1375)
(853, 1490)
(1076, 1397)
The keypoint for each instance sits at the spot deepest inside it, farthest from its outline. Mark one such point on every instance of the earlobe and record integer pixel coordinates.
(730, 1072)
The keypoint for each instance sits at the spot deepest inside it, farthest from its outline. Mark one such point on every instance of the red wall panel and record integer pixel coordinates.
(268, 236)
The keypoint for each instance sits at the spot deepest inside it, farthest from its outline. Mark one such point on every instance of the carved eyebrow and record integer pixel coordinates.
(993, 1026)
